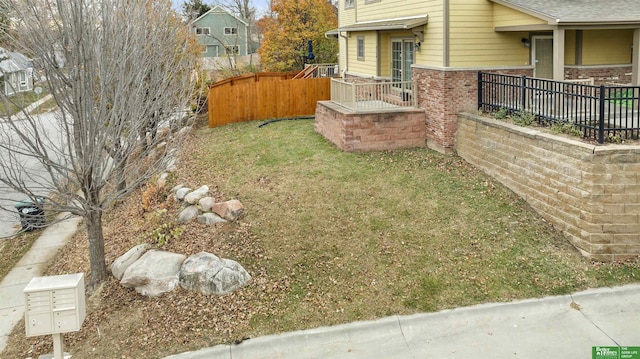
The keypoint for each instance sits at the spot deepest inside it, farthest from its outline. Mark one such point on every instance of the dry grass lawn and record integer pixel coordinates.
(329, 237)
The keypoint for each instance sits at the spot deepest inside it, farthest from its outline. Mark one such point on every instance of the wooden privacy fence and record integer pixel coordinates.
(264, 96)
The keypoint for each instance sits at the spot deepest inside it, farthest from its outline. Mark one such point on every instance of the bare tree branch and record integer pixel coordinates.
(127, 76)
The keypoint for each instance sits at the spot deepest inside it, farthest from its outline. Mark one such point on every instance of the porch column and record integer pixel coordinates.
(635, 55)
(558, 54)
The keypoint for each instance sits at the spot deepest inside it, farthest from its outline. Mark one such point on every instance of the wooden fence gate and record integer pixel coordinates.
(265, 96)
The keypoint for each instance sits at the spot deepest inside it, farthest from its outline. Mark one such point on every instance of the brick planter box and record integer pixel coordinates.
(367, 131)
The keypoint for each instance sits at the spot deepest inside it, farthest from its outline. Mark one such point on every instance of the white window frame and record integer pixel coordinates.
(349, 4)
(231, 31)
(203, 30)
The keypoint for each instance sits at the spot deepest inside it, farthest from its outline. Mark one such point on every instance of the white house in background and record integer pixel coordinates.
(16, 72)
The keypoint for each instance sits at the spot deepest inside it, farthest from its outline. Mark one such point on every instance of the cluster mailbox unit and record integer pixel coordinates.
(55, 305)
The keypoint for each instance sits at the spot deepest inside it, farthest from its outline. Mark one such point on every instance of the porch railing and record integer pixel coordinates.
(373, 96)
(598, 112)
(317, 70)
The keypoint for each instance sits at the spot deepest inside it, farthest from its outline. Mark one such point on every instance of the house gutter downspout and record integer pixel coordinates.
(445, 33)
(346, 51)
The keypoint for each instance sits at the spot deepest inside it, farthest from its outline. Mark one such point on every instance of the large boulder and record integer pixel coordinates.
(195, 196)
(229, 210)
(206, 203)
(210, 218)
(208, 274)
(188, 214)
(120, 265)
(155, 273)
(182, 192)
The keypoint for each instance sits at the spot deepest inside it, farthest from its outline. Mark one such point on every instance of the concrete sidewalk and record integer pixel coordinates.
(554, 327)
(44, 249)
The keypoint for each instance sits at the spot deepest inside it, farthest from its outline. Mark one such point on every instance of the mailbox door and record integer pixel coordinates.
(38, 324)
(65, 321)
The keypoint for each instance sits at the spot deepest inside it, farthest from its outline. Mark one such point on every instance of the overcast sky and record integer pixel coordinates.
(261, 5)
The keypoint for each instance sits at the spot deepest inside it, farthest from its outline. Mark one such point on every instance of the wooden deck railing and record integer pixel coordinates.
(373, 96)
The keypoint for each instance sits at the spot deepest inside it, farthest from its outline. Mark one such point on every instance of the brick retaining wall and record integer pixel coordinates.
(366, 131)
(591, 193)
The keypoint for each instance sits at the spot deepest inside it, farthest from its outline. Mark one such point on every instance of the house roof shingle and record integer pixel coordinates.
(579, 11)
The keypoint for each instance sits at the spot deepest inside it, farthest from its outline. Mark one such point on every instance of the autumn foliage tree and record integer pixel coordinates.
(289, 28)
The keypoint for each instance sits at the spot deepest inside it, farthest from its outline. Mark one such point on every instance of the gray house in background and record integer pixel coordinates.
(16, 72)
(221, 33)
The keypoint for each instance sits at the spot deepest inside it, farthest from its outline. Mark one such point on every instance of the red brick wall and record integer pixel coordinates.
(601, 75)
(361, 132)
(444, 94)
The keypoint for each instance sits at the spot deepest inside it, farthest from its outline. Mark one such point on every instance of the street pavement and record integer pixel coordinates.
(565, 327)
(9, 218)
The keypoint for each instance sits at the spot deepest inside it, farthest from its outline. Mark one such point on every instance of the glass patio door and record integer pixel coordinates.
(402, 57)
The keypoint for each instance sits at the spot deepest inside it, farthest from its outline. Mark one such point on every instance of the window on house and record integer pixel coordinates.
(360, 48)
(349, 4)
(230, 30)
(231, 50)
(202, 31)
(23, 78)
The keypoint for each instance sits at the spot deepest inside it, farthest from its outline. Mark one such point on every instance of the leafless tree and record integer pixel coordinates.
(127, 76)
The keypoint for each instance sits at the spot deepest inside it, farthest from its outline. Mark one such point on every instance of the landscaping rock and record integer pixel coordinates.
(210, 218)
(176, 188)
(195, 196)
(206, 203)
(208, 274)
(155, 273)
(120, 265)
(229, 210)
(182, 192)
(162, 181)
(188, 214)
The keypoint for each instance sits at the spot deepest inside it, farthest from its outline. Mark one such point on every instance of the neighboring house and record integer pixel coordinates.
(441, 44)
(16, 72)
(222, 34)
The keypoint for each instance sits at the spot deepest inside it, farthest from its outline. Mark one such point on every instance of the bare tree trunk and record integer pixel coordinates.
(98, 266)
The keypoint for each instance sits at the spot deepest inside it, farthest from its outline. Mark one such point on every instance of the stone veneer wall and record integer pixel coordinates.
(601, 75)
(444, 94)
(590, 192)
(366, 131)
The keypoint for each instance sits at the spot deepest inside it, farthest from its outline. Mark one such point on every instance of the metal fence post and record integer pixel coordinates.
(479, 90)
(523, 93)
(601, 116)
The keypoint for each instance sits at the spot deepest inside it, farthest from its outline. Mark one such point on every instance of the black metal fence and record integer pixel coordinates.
(598, 112)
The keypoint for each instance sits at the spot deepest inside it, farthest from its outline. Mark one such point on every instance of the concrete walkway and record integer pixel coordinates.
(34, 262)
(20, 115)
(555, 327)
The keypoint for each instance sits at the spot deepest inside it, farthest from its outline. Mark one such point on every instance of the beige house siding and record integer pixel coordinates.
(570, 47)
(474, 43)
(389, 9)
(366, 66)
(431, 49)
(617, 42)
(504, 16)
(346, 16)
